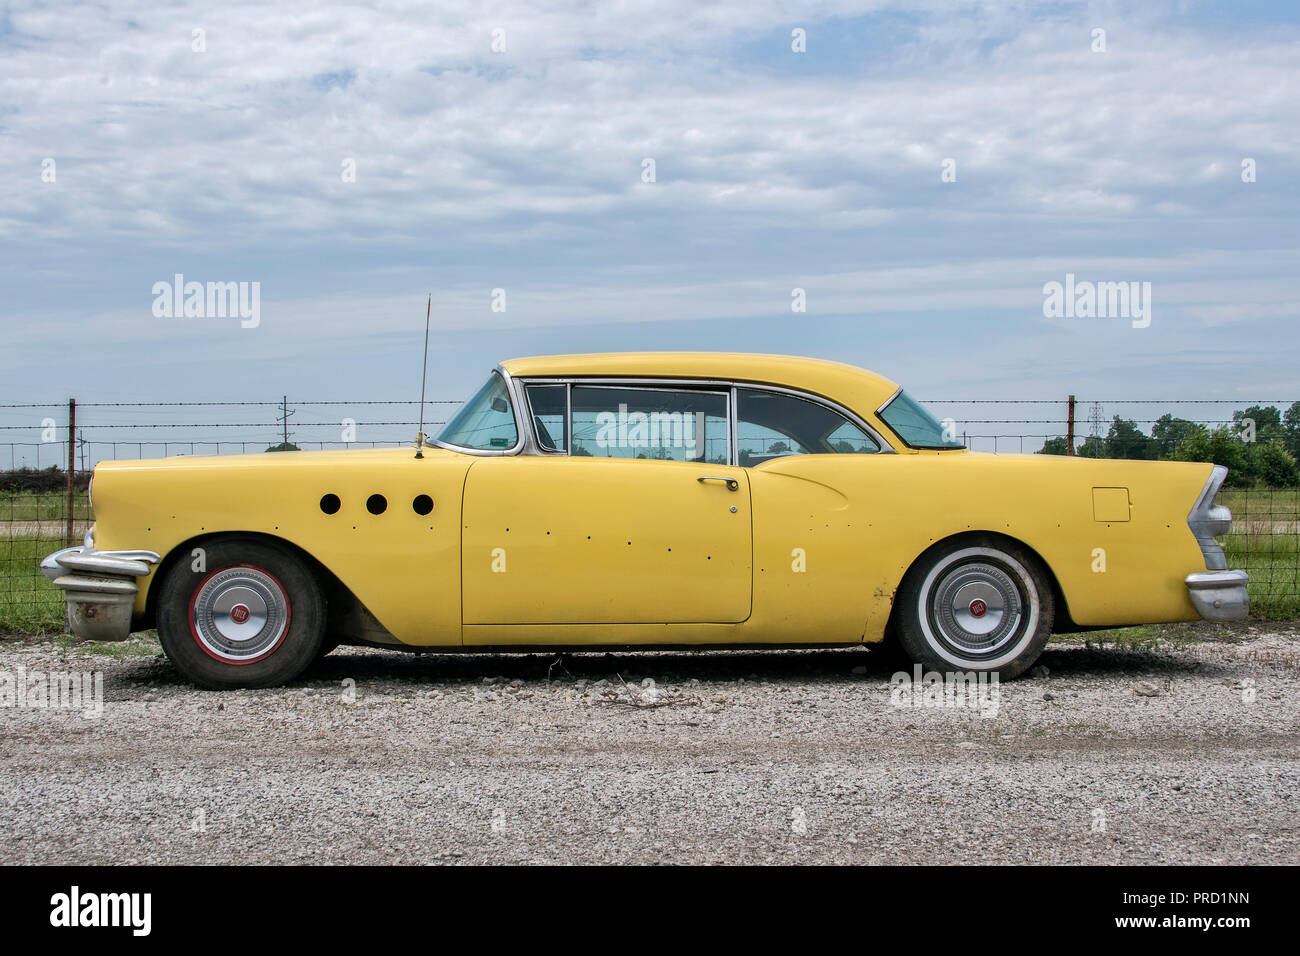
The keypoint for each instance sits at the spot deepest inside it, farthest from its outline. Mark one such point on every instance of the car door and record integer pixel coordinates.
(640, 520)
(812, 474)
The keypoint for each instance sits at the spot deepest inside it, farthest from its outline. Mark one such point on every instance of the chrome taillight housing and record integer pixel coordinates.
(1208, 519)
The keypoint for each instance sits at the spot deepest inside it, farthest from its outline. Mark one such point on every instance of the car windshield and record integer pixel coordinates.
(486, 422)
(917, 427)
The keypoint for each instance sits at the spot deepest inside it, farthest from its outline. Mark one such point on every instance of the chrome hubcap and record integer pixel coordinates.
(240, 615)
(976, 609)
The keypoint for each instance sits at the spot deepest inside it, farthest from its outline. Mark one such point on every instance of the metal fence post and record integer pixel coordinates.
(1069, 428)
(72, 465)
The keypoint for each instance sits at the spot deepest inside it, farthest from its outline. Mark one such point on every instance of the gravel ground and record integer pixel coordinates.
(1181, 752)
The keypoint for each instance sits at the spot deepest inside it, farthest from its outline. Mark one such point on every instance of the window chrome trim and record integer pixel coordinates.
(535, 446)
(733, 428)
(887, 402)
(522, 436)
(726, 387)
(708, 388)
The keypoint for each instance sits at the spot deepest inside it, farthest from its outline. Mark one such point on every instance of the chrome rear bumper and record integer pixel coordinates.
(1219, 595)
(99, 587)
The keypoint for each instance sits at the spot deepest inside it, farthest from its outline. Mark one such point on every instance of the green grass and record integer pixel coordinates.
(1278, 504)
(1274, 581)
(1267, 545)
(1144, 637)
(144, 644)
(29, 506)
(1265, 542)
(29, 604)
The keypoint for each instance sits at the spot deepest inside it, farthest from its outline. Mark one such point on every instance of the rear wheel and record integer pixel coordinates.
(982, 604)
(253, 616)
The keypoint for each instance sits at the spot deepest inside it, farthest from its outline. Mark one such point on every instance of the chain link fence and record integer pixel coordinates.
(42, 511)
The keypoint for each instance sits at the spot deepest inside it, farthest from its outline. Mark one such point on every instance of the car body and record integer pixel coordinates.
(648, 499)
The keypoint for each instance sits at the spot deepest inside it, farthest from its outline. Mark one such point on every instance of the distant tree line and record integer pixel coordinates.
(42, 480)
(1260, 447)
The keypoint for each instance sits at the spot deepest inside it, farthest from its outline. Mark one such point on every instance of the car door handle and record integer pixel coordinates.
(731, 483)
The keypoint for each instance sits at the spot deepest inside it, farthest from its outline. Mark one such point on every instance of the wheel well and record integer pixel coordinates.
(1063, 622)
(329, 584)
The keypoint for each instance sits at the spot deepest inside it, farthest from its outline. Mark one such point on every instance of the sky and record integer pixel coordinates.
(920, 170)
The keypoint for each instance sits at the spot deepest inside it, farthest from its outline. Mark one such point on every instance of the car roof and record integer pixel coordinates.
(856, 388)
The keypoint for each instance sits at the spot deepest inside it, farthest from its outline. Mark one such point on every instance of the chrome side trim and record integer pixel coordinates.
(1219, 595)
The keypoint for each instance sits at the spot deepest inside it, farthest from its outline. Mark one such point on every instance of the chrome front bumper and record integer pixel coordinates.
(1219, 595)
(99, 587)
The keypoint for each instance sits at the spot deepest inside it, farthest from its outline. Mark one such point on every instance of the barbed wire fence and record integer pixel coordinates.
(49, 450)
(118, 430)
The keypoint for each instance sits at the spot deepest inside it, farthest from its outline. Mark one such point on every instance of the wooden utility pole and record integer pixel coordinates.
(1069, 428)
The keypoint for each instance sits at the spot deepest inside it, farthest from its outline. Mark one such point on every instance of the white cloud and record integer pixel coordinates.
(522, 169)
(156, 141)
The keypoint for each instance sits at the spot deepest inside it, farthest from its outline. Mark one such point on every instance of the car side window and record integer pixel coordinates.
(773, 425)
(549, 405)
(669, 424)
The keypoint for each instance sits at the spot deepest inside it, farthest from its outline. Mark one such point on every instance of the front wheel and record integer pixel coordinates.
(980, 605)
(249, 614)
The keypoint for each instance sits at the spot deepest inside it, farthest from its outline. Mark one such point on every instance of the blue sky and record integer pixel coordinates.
(522, 170)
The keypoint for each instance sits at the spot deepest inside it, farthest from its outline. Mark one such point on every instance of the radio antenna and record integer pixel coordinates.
(424, 375)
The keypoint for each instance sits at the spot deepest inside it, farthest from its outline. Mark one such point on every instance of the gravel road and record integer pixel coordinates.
(1182, 753)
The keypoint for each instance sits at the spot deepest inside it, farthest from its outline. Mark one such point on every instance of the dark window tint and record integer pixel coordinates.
(549, 407)
(773, 425)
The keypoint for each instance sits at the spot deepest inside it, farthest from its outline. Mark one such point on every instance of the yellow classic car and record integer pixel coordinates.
(647, 500)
